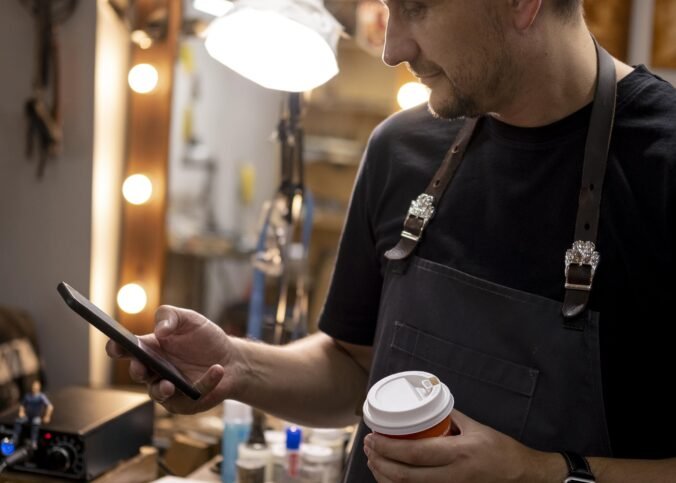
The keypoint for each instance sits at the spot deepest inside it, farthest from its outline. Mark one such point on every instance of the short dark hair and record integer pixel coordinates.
(566, 8)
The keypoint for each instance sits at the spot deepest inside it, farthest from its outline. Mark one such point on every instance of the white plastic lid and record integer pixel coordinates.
(407, 403)
(250, 464)
(273, 437)
(236, 412)
(327, 434)
(253, 452)
(314, 453)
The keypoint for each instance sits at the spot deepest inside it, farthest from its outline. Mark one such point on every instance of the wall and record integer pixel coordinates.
(110, 124)
(640, 45)
(46, 224)
(234, 119)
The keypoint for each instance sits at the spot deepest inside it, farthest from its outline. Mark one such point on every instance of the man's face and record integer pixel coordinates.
(36, 387)
(455, 47)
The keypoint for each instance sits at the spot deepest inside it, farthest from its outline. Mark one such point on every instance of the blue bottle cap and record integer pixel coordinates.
(294, 436)
(7, 446)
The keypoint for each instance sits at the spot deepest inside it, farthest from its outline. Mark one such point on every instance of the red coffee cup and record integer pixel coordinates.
(409, 405)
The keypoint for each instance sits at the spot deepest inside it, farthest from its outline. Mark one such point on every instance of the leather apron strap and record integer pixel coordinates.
(422, 209)
(582, 259)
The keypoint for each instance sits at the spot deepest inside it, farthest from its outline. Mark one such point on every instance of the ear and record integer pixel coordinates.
(524, 13)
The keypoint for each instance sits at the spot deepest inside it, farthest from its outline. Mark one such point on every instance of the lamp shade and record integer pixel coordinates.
(287, 45)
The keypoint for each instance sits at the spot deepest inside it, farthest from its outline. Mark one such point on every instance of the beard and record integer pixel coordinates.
(476, 90)
(481, 85)
(454, 104)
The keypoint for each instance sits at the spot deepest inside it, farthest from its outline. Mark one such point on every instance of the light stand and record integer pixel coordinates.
(287, 45)
(281, 255)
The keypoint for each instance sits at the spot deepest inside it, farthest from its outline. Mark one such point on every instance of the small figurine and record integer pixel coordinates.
(36, 409)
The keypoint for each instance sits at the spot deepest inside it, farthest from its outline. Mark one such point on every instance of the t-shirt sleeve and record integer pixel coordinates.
(351, 308)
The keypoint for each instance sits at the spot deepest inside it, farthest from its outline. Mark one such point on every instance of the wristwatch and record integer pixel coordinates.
(578, 468)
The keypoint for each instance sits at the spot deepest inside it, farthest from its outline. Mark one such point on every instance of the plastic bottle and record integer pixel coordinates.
(294, 436)
(236, 426)
(253, 455)
(274, 437)
(334, 439)
(278, 463)
(316, 463)
(250, 471)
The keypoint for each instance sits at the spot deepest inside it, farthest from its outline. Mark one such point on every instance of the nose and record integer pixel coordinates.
(399, 45)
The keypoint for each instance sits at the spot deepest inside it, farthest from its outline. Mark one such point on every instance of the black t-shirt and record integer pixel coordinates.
(509, 216)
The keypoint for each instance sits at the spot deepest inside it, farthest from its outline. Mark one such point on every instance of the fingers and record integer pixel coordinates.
(166, 320)
(169, 318)
(161, 390)
(210, 379)
(138, 372)
(381, 468)
(386, 470)
(166, 312)
(419, 452)
(115, 350)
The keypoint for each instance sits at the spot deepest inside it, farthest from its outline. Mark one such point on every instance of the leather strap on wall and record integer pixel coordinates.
(581, 260)
(422, 209)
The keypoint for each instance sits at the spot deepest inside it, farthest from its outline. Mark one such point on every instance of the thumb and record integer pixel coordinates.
(166, 321)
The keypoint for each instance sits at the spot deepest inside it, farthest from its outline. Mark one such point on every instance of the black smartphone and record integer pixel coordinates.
(117, 332)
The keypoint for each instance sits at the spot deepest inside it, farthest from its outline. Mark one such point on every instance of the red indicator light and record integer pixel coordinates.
(48, 436)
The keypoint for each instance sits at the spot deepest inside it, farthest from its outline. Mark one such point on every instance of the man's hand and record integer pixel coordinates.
(199, 349)
(478, 454)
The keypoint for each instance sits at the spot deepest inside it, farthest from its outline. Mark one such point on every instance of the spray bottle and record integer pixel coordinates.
(236, 426)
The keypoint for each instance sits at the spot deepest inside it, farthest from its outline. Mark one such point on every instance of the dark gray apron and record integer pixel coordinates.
(509, 357)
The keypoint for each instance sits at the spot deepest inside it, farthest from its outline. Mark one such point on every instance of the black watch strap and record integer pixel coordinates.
(578, 468)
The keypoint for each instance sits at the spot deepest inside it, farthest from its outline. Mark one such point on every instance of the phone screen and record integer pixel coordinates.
(120, 334)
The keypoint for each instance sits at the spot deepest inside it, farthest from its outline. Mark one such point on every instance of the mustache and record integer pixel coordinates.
(423, 69)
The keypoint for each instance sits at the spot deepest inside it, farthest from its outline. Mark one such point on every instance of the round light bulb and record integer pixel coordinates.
(142, 39)
(411, 94)
(143, 78)
(132, 298)
(137, 189)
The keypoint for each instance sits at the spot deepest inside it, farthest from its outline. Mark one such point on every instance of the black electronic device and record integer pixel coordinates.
(117, 332)
(91, 431)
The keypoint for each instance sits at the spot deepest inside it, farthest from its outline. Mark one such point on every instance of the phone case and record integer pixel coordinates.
(117, 332)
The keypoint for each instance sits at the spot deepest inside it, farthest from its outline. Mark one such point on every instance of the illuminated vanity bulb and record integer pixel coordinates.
(142, 39)
(411, 94)
(137, 189)
(132, 298)
(143, 78)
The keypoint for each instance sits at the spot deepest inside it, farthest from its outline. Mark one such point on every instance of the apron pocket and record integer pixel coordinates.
(477, 380)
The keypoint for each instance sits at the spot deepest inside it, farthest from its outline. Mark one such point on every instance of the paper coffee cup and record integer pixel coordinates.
(409, 405)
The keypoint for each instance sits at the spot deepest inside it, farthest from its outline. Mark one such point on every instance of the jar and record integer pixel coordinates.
(316, 463)
(335, 439)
